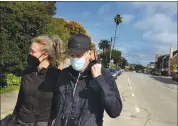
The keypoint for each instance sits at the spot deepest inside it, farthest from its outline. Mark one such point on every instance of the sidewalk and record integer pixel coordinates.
(8, 101)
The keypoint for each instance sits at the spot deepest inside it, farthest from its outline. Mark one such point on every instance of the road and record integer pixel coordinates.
(147, 101)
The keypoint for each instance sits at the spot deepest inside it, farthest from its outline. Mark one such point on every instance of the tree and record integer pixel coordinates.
(57, 27)
(104, 45)
(117, 20)
(124, 62)
(20, 22)
(75, 28)
(139, 67)
(116, 57)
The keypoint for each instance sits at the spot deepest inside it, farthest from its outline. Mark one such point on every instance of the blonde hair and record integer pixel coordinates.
(93, 46)
(52, 45)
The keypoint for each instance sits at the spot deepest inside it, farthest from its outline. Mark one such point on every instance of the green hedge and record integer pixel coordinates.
(12, 80)
(113, 66)
(9, 89)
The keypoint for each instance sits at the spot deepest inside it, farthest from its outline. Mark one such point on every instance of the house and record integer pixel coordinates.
(174, 62)
(162, 62)
(167, 62)
(131, 66)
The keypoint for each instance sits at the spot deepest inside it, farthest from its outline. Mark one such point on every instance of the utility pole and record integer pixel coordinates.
(110, 54)
(112, 45)
(121, 60)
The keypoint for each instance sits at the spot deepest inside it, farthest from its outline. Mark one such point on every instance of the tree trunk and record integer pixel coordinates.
(115, 36)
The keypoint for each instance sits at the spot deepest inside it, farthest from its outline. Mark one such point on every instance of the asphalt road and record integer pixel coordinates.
(147, 101)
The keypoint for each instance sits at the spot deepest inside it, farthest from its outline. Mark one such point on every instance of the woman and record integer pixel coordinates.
(36, 104)
(95, 55)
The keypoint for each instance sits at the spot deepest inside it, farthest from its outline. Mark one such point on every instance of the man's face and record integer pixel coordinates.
(36, 50)
(86, 55)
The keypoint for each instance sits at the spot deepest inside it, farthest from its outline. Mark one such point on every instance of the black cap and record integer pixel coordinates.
(79, 43)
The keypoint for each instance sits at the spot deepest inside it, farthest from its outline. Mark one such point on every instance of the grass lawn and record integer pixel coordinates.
(9, 89)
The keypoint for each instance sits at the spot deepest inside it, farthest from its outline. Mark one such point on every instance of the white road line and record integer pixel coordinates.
(130, 87)
(133, 94)
(129, 81)
(137, 109)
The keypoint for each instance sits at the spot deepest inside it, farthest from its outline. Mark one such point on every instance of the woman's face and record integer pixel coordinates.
(36, 50)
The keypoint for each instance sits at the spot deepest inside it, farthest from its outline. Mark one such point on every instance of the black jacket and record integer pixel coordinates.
(36, 95)
(92, 97)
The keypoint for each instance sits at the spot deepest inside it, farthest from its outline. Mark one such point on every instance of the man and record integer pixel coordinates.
(85, 88)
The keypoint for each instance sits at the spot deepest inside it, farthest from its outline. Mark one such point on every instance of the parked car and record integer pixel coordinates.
(175, 76)
(114, 73)
(145, 72)
(153, 72)
(158, 72)
(139, 71)
(119, 71)
(164, 73)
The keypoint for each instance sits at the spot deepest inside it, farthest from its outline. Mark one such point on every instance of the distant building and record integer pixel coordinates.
(130, 66)
(151, 65)
(174, 62)
(166, 62)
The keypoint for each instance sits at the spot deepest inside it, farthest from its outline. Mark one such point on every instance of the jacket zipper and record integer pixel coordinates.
(76, 83)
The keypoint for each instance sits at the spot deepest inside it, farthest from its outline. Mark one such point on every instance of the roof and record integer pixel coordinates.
(163, 56)
(175, 52)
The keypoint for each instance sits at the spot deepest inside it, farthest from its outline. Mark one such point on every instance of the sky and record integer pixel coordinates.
(148, 28)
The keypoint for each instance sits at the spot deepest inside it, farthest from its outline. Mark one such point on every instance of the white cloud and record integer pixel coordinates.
(104, 8)
(138, 53)
(158, 24)
(169, 8)
(127, 18)
(165, 38)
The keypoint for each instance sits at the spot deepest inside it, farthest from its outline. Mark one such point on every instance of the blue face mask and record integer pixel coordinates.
(78, 64)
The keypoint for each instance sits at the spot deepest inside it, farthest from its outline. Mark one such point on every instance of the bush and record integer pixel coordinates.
(11, 79)
(113, 66)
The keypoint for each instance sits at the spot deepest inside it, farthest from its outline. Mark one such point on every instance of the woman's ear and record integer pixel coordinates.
(46, 54)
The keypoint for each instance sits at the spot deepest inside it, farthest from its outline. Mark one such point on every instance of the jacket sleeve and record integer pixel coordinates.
(55, 104)
(109, 94)
(55, 101)
(19, 99)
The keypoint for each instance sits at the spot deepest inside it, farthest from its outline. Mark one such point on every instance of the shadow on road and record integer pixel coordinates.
(165, 80)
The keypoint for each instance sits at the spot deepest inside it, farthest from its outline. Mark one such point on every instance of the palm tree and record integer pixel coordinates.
(104, 45)
(117, 20)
